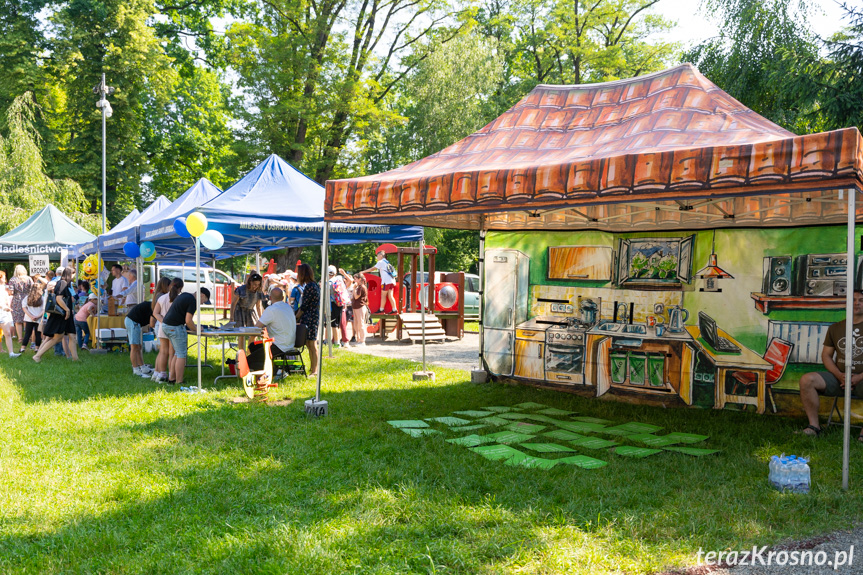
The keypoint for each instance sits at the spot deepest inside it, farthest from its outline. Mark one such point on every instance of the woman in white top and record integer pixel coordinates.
(6, 321)
(162, 303)
(33, 307)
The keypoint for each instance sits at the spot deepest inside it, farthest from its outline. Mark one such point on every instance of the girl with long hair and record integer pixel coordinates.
(247, 304)
(33, 308)
(58, 327)
(167, 291)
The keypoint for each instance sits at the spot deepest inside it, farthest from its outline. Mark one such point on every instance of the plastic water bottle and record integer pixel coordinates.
(773, 476)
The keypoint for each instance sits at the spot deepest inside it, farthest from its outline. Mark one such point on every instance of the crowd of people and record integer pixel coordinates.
(52, 312)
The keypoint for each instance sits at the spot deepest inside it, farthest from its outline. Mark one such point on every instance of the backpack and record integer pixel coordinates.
(340, 292)
(390, 269)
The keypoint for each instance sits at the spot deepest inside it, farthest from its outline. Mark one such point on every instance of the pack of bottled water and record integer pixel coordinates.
(789, 473)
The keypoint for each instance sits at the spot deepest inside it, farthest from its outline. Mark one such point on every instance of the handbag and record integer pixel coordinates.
(52, 306)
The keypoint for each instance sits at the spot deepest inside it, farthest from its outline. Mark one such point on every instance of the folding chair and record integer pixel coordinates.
(291, 361)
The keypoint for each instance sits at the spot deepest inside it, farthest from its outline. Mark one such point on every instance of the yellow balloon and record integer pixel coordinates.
(196, 223)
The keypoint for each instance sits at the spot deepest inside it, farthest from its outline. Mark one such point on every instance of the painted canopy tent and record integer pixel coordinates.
(663, 152)
(48, 231)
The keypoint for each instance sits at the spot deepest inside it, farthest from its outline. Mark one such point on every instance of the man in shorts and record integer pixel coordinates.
(831, 383)
(180, 317)
(388, 281)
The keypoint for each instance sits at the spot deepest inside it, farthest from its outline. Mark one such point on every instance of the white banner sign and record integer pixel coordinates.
(38, 265)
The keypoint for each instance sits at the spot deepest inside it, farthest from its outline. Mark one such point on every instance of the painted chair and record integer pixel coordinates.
(259, 371)
(777, 354)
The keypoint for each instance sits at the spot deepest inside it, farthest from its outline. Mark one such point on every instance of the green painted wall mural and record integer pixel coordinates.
(653, 332)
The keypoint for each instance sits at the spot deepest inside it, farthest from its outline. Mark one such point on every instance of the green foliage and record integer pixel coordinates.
(24, 186)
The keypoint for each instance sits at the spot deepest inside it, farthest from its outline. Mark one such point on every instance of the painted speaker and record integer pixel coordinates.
(777, 275)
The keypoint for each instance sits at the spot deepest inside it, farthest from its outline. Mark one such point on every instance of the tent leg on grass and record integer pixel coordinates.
(479, 374)
(318, 407)
(424, 374)
(849, 341)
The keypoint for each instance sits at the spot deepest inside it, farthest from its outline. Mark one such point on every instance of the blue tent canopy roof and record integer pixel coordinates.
(111, 244)
(163, 227)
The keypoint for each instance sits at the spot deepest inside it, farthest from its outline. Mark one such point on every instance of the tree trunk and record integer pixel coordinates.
(287, 260)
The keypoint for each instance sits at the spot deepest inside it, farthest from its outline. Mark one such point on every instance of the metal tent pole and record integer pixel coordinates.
(423, 288)
(479, 375)
(198, 297)
(317, 406)
(215, 287)
(849, 333)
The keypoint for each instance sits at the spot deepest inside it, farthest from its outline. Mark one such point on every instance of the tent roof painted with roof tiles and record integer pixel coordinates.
(668, 150)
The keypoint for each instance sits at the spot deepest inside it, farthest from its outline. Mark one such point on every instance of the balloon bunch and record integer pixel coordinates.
(147, 250)
(195, 226)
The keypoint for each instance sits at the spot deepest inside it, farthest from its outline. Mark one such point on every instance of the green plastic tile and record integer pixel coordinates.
(419, 432)
(694, 451)
(653, 440)
(593, 420)
(688, 437)
(493, 421)
(513, 415)
(630, 451)
(542, 418)
(530, 405)
(580, 426)
(583, 461)
(399, 423)
(498, 452)
(497, 408)
(548, 447)
(465, 428)
(470, 440)
(636, 427)
(532, 462)
(563, 435)
(614, 431)
(472, 412)
(555, 411)
(449, 420)
(510, 437)
(522, 427)
(594, 443)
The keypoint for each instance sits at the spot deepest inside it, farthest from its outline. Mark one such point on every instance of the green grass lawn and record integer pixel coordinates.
(103, 472)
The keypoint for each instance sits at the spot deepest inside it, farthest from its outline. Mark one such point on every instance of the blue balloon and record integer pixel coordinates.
(180, 228)
(147, 249)
(131, 250)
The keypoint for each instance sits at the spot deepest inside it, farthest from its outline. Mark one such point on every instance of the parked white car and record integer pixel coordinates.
(210, 278)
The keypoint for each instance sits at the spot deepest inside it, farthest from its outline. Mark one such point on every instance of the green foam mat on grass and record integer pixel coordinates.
(583, 461)
(636, 427)
(399, 423)
(630, 451)
(530, 405)
(614, 431)
(542, 418)
(593, 420)
(653, 440)
(464, 428)
(580, 426)
(470, 440)
(555, 411)
(510, 437)
(493, 420)
(498, 452)
(522, 427)
(473, 413)
(548, 447)
(594, 443)
(694, 451)
(532, 462)
(688, 437)
(497, 408)
(563, 435)
(514, 415)
(419, 432)
(449, 420)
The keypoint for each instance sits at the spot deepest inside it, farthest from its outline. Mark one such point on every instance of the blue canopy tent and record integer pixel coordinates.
(91, 247)
(111, 244)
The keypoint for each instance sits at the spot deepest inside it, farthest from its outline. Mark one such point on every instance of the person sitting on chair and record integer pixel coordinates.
(280, 322)
(831, 383)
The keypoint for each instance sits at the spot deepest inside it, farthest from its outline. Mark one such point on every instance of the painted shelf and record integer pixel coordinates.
(767, 303)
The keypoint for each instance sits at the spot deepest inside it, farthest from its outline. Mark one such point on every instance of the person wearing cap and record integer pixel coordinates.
(179, 318)
(247, 304)
(82, 328)
(34, 308)
(388, 280)
(339, 300)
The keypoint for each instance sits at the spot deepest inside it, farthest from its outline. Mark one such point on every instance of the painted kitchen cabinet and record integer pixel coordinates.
(531, 359)
(575, 263)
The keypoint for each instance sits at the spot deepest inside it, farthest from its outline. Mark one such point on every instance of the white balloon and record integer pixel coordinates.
(212, 240)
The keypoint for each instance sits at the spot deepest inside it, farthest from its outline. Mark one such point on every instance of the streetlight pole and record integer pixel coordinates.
(103, 90)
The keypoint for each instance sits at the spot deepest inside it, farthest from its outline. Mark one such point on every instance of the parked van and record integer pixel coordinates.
(210, 278)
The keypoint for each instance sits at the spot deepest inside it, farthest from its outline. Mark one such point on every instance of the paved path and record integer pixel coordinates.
(454, 353)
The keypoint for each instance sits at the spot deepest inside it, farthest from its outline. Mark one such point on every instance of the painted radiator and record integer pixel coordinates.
(807, 337)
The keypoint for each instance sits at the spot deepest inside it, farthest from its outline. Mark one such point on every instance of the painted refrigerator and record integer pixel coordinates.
(505, 305)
